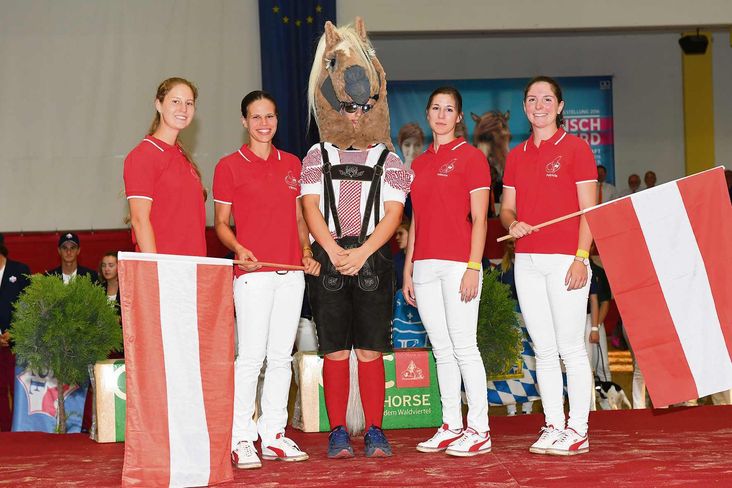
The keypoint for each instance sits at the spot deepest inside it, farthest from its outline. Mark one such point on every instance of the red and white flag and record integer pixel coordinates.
(667, 252)
(178, 318)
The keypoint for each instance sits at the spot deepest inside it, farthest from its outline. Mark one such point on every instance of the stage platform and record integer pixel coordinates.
(667, 447)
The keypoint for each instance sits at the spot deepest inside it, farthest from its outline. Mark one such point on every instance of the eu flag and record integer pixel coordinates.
(289, 31)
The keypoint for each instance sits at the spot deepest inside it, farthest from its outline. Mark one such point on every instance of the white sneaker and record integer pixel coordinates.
(439, 442)
(548, 436)
(569, 444)
(470, 444)
(245, 456)
(282, 449)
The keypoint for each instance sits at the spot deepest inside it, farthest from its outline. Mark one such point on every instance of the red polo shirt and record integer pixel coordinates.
(161, 173)
(263, 195)
(443, 182)
(545, 179)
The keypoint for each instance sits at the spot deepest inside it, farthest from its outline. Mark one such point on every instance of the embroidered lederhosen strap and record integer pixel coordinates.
(328, 193)
(352, 172)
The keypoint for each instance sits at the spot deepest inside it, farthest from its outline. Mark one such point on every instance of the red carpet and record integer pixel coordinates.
(674, 447)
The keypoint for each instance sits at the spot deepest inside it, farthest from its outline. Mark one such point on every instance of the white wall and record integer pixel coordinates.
(77, 85)
(415, 16)
(78, 80)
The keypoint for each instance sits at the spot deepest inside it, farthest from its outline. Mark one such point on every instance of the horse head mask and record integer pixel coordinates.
(347, 76)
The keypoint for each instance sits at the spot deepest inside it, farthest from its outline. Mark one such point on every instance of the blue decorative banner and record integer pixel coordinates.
(588, 111)
(36, 401)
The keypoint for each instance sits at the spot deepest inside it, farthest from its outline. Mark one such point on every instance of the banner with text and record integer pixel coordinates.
(494, 114)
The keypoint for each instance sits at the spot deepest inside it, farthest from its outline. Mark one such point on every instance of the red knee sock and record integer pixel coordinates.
(371, 384)
(336, 385)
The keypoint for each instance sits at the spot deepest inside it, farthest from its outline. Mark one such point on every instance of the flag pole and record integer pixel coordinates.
(550, 222)
(269, 265)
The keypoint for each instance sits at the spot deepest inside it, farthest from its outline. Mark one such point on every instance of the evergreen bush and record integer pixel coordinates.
(499, 333)
(64, 328)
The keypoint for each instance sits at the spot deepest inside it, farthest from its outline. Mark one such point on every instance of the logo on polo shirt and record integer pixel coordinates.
(553, 167)
(446, 168)
(291, 181)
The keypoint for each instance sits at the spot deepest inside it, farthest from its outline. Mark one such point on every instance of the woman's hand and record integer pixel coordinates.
(312, 267)
(595, 337)
(576, 276)
(245, 254)
(351, 261)
(520, 229)
(408, 290)
(469, 285)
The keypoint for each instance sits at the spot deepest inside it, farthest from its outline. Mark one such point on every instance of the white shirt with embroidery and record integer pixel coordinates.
(350, 196)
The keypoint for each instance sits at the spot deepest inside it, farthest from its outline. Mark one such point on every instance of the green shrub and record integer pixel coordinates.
(499, 333)
(64, 328)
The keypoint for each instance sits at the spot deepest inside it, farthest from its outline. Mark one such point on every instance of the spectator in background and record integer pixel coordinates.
(596, 337)
(605, 191)
(402, 237)
(649, 179)
(108, 276)
(634, 182)
(13, 280)
(69, 249)
(411, 142)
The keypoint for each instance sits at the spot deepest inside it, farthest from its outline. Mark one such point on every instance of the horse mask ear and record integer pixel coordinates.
(331, 36)
(507, 115)
(361, 29)
(475, 118)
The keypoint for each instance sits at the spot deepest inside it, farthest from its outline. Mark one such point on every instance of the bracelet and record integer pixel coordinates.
(473, 265)
(512, 224)
(594, 329)
(582, 254)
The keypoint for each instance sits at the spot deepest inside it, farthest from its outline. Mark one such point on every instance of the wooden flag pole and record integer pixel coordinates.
(549, 222)
(270, 265)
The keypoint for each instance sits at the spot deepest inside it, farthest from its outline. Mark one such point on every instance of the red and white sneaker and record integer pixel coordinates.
(547, 437)
(244, 456)
(282, 449)
(439, 442)
(470, 444)
(569, 444)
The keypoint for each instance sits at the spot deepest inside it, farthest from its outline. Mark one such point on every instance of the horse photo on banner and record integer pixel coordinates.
(178, 320)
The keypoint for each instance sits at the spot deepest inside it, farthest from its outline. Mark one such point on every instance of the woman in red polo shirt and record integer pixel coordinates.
(259, 185)
(549, 175)
(442, 272)
(162, 182)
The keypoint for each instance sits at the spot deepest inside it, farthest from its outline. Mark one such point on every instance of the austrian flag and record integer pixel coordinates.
(667, 252)
(178, 319)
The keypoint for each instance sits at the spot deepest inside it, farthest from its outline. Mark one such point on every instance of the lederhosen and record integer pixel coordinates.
(353, 311)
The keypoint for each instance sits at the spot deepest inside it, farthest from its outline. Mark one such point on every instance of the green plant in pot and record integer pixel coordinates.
(64, 329)
(499, 333)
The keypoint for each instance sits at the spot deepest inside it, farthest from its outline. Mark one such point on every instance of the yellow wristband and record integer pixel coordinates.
(582, 254)
(474, 265)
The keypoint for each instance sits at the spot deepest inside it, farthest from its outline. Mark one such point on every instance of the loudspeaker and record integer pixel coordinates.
(694, 44)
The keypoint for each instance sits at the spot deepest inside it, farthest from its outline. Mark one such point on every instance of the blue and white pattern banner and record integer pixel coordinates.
(588, 110)
(36, 401)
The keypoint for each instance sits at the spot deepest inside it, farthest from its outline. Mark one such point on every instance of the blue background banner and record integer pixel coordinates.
(588, 110)
(289, 33)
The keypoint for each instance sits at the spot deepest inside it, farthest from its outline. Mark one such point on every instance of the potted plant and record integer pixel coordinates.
(64, 329)
(499, 333)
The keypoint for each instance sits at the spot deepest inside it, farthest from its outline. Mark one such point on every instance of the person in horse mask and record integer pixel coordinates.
(354, 187)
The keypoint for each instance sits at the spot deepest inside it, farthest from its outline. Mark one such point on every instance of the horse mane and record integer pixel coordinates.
(351, 41)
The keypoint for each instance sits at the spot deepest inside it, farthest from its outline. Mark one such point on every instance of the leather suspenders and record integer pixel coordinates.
(372, 201)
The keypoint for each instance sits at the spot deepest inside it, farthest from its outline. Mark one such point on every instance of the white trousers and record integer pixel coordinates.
(451, 326)
(555, 319)
(267, 315)
(597, 353)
